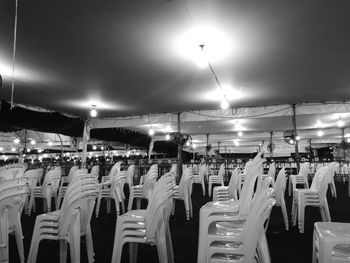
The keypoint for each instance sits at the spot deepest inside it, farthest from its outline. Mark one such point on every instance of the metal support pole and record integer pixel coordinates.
(271, 144)
(179, 149)
(206, 148)
(296, 141)
(343, 141)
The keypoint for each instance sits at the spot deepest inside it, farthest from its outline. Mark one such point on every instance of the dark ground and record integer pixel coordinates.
(285, 246)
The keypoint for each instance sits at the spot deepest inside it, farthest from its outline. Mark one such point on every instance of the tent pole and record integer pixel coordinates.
(311, 153)
(271, 144)
(343, 140)
(296, 141)
(85, 141)
(206, 148)
(179, 149)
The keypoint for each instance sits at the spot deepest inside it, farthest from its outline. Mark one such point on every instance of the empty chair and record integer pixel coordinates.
(47, 190)
(216, 179)
(114, 190)
(12, 197)
(301, 178)
(148, 226)
(141, 191)
(331, 242)
(183, 192)
(69, 223)
(198, 178)
(315, 196)
(279, 190)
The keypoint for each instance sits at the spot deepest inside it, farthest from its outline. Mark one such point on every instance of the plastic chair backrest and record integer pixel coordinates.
(118, 184)
(130, 175)
(186, 181)
(252, 172)
(95, 170)
(234, 184)
(280, 184)
(316, 182)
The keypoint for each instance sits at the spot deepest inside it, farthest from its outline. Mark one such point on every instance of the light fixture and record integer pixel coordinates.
(16, 141)
(236, 142)
(93, 112)
(151, 132)
(340, 122)
(188, 143)
(94, 147)
(224, 103)
(297, 138)
(102, 148)
(291, 141)
(348, 139)
(320, 133)
(32, 142)
(202, 61)
(240, 133)
(194, 146)
(49, 143)
(28, 150)
(167, 137)
(40, 150)
(1, 149)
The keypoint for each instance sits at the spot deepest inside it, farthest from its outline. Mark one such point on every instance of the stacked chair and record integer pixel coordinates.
(142, 190)
(12, 171)
(13, 194)
(315, 196)
(232, 191)
(47, 190)
(70, 222)
(198, 178)
(65, 180)
(216, 179)
(183, 192)
(300, 179)
(130, 176)
(147, 226)
(33, 177)
(113, 190)
(278, 195)
(233, 231)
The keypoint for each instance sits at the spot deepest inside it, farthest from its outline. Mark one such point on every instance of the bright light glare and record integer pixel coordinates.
(94, 147)
(236, 142)
(240, 133)
(151, 132)
(93, 113)
(319, 124)
(224, 104)
(50, 143)
(230, 94)
(32, 142)
(1, 149)
(16, 141)
(340, 123)
(217, 44)
(194, 146)
(320, 133)
(13, 149)
(297, 138)
(167, 137)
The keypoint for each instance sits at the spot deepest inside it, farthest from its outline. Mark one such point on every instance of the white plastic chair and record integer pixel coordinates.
(315, 196)
(74, 171)
(148, 226)
(70, 222)
(216, 179)
(183, 192)
(198, 178)
(47, 190)
(33, 177)
(141, 191)
(114, 190)
(279, 190)
(301, 178)
(95, 170)
(12, 198)
(331, 242)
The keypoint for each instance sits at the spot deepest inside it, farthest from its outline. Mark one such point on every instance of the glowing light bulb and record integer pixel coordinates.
(236, 142)
(50, 143)
(188, 143)
(194, 146)
(151, 132)
(93, 112)
(40, 150)
(167, 137)
(28, 150)
(240, 133)
(94, 147)
(1, 149)
(297, 138)
(340, 123)
(32, 142)
(16, 141)
(224, 104)
(291, 141)
(320, 133)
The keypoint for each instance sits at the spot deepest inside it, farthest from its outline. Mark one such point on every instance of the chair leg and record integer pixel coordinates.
(108, 205)
(133, 252)
(301, 217)
(131, 199)
(98, 205)
(284, 213)
(89, 245)
(63, 251)
(19, 239)
(138, 203)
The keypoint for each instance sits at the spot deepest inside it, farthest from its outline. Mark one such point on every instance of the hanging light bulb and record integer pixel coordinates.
(167, 137)
(340, 122)
(151, 132)
(202, 61)
(240, 133)
(320, 133)
(224, 103)
(93, 112)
